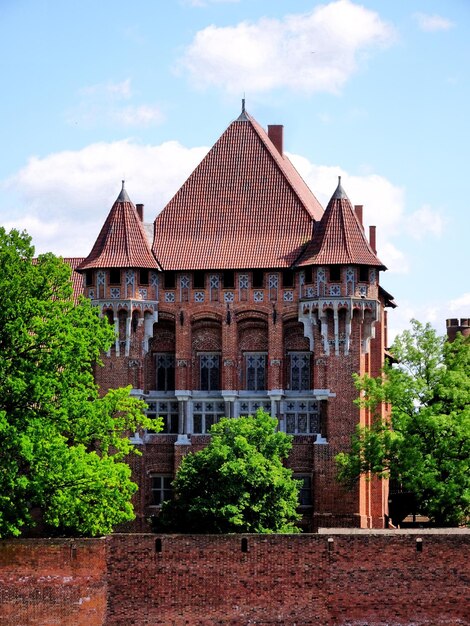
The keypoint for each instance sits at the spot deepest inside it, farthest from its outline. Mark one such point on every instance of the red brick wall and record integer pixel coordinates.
(48, 582)
(334, 578)
(361, 580)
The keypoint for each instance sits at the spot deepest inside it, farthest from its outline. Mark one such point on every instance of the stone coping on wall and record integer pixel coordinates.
(393, 532)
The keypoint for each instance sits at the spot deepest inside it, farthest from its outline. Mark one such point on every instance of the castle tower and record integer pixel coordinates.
(342, 310)
(455, 326)
(120, 276)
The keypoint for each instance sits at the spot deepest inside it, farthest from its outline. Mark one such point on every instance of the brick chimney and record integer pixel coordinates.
(372, 238)
(276, 134)
(140, 211)
(358, 211)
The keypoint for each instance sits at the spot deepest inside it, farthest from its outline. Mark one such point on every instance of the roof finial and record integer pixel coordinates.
(339, 193)
(243, 117)
(123, 197)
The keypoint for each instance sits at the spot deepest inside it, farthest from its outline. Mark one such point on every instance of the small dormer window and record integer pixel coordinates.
(363, 274)
(114, 276)
(335, 274)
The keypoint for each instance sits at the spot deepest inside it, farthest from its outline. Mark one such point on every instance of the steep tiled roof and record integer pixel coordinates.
(339, 237)
(122, 241)
(244, 206)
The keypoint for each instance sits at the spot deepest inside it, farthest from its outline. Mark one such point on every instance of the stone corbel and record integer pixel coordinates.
(324, 332)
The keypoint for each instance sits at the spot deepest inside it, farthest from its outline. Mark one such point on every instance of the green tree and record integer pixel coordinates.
(237, 484)
(425, 445)
(62, 446)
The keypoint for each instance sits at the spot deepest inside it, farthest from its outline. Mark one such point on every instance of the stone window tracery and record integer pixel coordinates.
(209, 368)
(206, 413)
(302, 417)
(299, 377)
(165, 369)
(255, 371)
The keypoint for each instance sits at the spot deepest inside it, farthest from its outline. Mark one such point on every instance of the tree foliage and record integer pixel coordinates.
(62, 446)
(237, 484)
(426, 444)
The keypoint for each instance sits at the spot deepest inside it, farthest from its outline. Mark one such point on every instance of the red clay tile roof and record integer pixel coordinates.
(244, 206)
(122, 241)
(339, 237)
(77, 279)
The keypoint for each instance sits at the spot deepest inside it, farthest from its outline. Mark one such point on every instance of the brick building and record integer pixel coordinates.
(244, 293)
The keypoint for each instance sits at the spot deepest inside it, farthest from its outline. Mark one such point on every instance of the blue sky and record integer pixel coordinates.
(377, 92)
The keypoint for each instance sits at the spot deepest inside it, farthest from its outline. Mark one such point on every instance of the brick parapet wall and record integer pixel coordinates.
(337, 577)
(367, 579)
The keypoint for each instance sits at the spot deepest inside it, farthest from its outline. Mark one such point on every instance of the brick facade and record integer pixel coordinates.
(203, 332)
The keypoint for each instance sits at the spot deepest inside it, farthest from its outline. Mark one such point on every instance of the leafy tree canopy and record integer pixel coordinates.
(237, 484)
(62, 446)
(427, 448)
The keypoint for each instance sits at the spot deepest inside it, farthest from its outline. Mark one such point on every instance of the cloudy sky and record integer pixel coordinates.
(377, 92)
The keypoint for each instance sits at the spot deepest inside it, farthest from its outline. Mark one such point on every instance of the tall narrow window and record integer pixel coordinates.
(161, 489)
(299, 371)
(258, 279)
(209, 372)
(335, 273)
(305, 493)
(114, 276)
(169, 280)
(363, 274)
(287, 278)
(199, 279)
(255, 371)
(165, 371)
(144, 277)
(229, 279)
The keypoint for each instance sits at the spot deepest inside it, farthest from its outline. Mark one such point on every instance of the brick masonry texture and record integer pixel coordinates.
(335, 578)
(53, 582)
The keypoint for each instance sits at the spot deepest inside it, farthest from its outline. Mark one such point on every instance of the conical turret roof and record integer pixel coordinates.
(244, 206)
(122, 241)
(339, 238)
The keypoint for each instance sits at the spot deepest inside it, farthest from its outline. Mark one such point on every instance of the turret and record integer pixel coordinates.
(121, 274)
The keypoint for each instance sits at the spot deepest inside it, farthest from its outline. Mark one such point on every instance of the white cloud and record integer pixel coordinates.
(138, 115)
(424, 221)
(432, 23)
(103, 104)
(383, 202)
(65, 197)
(312, 52)
(120, 90)
(433, 311)
(461, 306)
